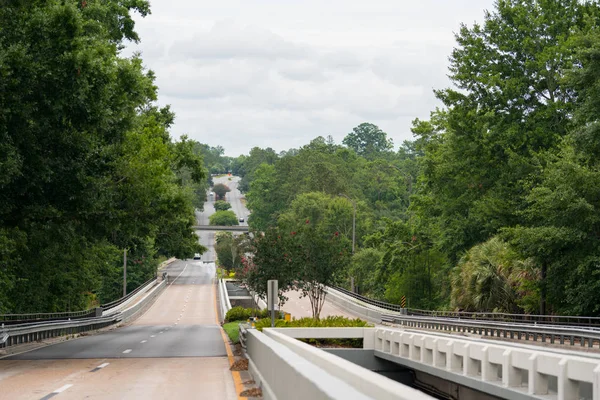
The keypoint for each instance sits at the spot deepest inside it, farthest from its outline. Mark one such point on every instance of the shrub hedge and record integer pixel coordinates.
(308, 322)
(328, 322)
(242, 314)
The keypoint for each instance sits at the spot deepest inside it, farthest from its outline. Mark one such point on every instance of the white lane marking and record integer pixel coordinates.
(152, 335)
(102, 365)
(159, 332)
(62, 389)
(127, 351)
(180, 274)
(143, 341)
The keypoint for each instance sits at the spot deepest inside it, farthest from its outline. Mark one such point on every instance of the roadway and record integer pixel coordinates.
(175, 349)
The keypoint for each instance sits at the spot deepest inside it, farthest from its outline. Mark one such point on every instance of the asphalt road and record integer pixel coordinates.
(166, 348)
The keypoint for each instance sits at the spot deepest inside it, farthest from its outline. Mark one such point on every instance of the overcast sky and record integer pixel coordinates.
(278, 73)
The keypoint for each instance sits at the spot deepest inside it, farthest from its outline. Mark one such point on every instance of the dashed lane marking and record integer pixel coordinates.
(143, 341)
(99, 367)
(152, 335)
(57, 391)
(127, 351)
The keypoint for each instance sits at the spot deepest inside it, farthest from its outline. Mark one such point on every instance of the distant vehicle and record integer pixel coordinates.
(212, 193)
(241, 219)
(197, 256)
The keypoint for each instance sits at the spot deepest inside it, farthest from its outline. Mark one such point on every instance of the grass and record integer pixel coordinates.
(233, 331)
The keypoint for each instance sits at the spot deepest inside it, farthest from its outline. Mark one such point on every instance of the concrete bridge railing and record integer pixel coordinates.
(286, 368)
(508, 372)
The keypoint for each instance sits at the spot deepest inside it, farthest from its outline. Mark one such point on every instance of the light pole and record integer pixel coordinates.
(353, 235)
(353, 221)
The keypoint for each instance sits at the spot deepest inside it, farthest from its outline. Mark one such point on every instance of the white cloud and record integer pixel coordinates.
(242, 73)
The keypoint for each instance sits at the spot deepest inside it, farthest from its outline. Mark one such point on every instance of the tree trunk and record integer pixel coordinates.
(543, 291)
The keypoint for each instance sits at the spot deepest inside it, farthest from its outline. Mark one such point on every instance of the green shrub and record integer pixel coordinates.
(308, 322)
(242, 314)
(328, 322)
(233, 331)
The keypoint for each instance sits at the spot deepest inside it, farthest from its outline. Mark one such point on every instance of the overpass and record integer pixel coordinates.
(452, 358)
(232, 228)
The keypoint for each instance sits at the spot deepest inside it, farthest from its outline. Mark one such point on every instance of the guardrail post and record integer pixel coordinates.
(98, 312)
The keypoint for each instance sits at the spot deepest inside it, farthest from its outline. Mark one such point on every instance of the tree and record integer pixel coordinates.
(318, 249)
(88, 166)
(224, 218)
(491, 277)
(511, 105)
(220, 190)
(268, 259)
(368, 141)
(230, 250)
(251, 163)
(221, 205)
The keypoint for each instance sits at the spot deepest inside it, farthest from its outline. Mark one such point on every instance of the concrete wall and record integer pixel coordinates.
(283, 374)
(354, 306)
(362, 381)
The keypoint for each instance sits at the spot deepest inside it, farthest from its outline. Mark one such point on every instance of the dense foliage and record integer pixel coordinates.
(88, 167)
(493, 206)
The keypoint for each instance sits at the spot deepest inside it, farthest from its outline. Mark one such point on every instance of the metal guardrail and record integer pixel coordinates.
(11, 319)
(123, 299)
(40, 330)
(565, 320)
(376, 303)
(19, 319)
(543, 333)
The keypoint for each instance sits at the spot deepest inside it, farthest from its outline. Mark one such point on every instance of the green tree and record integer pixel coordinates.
(223, 218)
(221, 190)
(230, 250)
(368, 141)
(221, 205)
(88, 167)
(511, 105)
(490, 277)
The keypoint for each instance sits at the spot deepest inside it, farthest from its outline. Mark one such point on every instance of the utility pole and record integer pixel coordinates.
(353, 236)
(353, 221)
(124, 272)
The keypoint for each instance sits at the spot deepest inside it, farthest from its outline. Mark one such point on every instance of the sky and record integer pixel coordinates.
(279, 73)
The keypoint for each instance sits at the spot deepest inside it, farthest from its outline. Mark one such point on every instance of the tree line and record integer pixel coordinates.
(88, 168)
(494, 204)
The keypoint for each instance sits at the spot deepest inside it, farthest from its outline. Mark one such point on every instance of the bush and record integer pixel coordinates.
(308, 322)
(242, 314)
(221, 205)
(223, 218)
(329, 322)
(233, 331)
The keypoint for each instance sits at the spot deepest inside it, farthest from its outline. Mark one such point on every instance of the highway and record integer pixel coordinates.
(174, 350)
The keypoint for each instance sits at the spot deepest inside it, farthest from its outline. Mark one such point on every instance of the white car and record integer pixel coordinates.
(197, 256)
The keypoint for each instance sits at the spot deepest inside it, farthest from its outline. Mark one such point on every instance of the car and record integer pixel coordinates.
(212, 194)
(241, 219)
(197, 256)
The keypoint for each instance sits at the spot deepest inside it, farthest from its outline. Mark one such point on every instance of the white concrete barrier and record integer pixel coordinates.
(223, 298)
(369, 383)
(354, 306)
(283, 374)
(504, 371)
